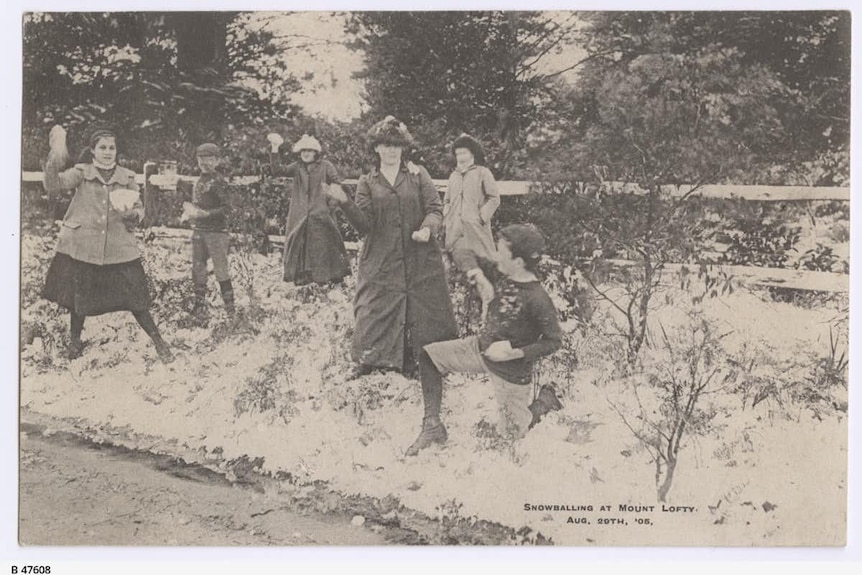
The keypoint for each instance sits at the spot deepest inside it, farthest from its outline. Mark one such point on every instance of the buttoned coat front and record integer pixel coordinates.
(93, 231)
(470, 202)
(401, 283)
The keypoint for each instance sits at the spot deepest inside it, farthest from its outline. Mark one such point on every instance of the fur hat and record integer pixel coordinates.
(472, 144)
(391, 132)
(307, 142)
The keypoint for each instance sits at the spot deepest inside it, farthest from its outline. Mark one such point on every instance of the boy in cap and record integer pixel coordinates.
(521, 327)
(207, 214)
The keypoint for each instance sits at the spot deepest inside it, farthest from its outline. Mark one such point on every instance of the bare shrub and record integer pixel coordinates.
(670, 394)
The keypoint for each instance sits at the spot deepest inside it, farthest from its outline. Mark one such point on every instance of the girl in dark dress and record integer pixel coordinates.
(97, 266)
(313, 249)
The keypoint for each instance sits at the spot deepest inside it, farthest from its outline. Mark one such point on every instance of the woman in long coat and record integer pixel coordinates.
(402, 300)
(313, 248)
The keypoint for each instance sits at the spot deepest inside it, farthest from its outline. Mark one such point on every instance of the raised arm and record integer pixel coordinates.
(277, 169)
(58, 156)
(54, 180)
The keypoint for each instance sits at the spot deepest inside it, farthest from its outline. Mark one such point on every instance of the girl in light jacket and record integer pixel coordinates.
(97, 266)
(470, 202)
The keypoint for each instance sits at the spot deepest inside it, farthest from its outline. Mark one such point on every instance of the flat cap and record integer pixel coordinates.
(207, 149)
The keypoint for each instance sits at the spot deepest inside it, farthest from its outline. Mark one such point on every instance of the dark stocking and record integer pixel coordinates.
(227, 295)
(432, 386)
(433, 430)
(76, 326)
(145, 319)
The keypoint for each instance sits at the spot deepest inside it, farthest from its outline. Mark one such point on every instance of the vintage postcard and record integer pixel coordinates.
(441, 278)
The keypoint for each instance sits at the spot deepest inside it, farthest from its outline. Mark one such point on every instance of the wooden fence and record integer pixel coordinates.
(519, 188)
(774, 277)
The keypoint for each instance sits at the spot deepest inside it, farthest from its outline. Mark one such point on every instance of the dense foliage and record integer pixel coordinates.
(165, 81)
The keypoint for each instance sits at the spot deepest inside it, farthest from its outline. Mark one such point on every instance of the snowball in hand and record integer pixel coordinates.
(123, 199)
(57, 142)
(57, 137)
(274, 141)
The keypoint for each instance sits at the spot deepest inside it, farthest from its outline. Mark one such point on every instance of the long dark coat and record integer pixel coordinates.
(401, 283)
(313, 248)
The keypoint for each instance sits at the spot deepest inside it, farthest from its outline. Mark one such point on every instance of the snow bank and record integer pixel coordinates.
(771, 474)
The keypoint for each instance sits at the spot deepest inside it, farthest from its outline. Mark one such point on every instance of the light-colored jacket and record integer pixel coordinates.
(93, 231)
(470, 202)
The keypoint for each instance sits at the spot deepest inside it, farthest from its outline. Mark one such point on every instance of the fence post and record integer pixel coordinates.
(151, 195)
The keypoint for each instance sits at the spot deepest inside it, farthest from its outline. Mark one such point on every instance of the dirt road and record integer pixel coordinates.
(77, 493)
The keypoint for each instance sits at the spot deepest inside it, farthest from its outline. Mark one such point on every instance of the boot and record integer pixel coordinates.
(228, 297)
(76, 346)
(199, 309)
(363, 369)
(75, 349)
(433, 431)
(359, 370)
(163, 350)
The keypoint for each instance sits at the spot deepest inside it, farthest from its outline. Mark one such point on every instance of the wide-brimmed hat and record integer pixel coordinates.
(472, 144)
(307, 142)
(390, 132)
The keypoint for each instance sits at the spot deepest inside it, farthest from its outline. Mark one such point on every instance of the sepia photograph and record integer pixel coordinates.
(439, 278)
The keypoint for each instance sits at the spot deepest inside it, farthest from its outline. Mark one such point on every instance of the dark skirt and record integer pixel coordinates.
(314, 252)
(90, 289)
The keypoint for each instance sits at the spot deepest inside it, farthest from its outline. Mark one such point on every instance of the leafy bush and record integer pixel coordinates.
(757, 234)
(840, 232)
(827, 373)
(820, 259)
(589, 226)
(269, 390)
(834, 208)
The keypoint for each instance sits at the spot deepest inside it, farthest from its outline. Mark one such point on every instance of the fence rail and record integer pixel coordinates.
(519, 188)
(773, 277)
(768, 277)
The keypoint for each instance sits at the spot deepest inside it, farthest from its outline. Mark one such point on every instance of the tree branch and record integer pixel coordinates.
(575, 65)
(551, 45)
(602, 294)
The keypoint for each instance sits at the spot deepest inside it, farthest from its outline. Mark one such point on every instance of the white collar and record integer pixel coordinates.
(104, 166)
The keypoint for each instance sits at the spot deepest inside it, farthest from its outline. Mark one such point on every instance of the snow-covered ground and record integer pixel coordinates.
(773, 473)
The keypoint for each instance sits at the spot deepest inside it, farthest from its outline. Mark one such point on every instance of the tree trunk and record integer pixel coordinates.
(663, 489)
(201, 41)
